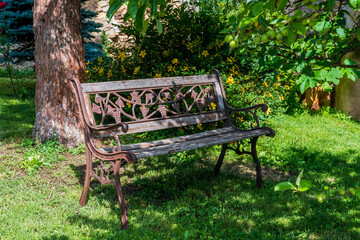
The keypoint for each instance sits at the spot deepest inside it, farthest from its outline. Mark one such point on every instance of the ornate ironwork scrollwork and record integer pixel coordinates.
(139, 105)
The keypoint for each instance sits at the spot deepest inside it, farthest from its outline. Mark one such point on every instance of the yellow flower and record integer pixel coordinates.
(109, 75)
(243, 90)
(270, 95)
(186, 68)
(231, 59)
(88, 63)
(171, 68)
(199, 126)
(213, 105)
(101, 71)
(128, 105)
(175, 61)
(100, 60)
(230, 80)
(123, 70)
(136, 70)
(143, 53)
(166, 53)
(276, 85)
(268, 111)
(265, 84)
(287, 87)
(278, 78)
(122, 55)
(281, 98)
(205, 53)
(158, 75)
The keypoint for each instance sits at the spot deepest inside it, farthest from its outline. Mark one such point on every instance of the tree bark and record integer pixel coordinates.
(59, 54)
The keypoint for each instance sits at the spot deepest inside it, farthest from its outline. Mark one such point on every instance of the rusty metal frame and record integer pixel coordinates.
(160, 100)
(117, 156)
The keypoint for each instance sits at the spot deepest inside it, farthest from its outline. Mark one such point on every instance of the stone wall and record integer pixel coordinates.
(101, 7)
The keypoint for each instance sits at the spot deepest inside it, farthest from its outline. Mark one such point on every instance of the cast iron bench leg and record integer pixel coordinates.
(259, 180)
(123, 207)
(87, 178)
(221, 158)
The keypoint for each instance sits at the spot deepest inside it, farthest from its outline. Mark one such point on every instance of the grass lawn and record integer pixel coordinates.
(176, 196)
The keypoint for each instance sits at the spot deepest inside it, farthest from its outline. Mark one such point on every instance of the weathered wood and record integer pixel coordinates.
(126, 85)
(190, 142)
(174, 140)
(153, 125)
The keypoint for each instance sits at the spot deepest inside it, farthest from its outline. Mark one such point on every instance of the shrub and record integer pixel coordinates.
(191, 43)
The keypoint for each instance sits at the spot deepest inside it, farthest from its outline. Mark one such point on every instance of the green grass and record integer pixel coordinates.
(176, 196)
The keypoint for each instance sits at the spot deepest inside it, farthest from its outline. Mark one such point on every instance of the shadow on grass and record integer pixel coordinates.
(16, 118)
(171, 199)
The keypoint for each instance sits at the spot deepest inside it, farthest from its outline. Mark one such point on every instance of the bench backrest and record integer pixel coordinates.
(156, 103)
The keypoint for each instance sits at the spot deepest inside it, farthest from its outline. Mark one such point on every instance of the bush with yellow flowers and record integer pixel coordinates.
(190, 43)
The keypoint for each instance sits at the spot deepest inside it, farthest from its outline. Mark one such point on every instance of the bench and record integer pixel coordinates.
(112, 109)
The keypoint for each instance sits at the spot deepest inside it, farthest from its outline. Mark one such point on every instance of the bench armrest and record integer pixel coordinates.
(110, 127)
(253, 111)
(112, 130)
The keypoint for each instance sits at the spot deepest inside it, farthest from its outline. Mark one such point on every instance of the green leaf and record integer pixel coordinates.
(159, 26)
(299, 27)
(333, 75)
(232, 20)
(139, 18)
(349, 62)
(357, 192)
(304, 82)
(326, 87)
(126, 16)
(299, 178)
(291, 37)
(244, 22)
(153, 5)
(114, 5)
(283, 186)
(132, 7)
(145, 27)
(341, 32)
(281, 4)
(304, 185)
(256, 8)
(331, 4)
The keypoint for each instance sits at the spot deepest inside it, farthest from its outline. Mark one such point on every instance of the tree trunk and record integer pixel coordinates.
(59, 54)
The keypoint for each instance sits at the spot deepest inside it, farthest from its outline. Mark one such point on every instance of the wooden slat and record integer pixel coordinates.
(146, 126)
(219, 96)
(170, 141)
(147, 83)
(175, 145)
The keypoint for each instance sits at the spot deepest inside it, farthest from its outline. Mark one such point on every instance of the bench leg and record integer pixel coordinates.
(87, 178)
(221, 158)
(259, 180)
(123, 207)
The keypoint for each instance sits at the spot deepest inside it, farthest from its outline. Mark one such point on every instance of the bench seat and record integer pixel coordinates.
(190, 142)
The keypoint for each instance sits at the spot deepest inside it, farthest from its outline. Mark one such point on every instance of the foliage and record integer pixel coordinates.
(304, 185)
(16, 22)
(136, 10)
(302, 40)
(190, 44)
(40, 155)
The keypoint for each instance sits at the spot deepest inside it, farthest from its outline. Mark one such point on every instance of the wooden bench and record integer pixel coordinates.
(112, 109)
